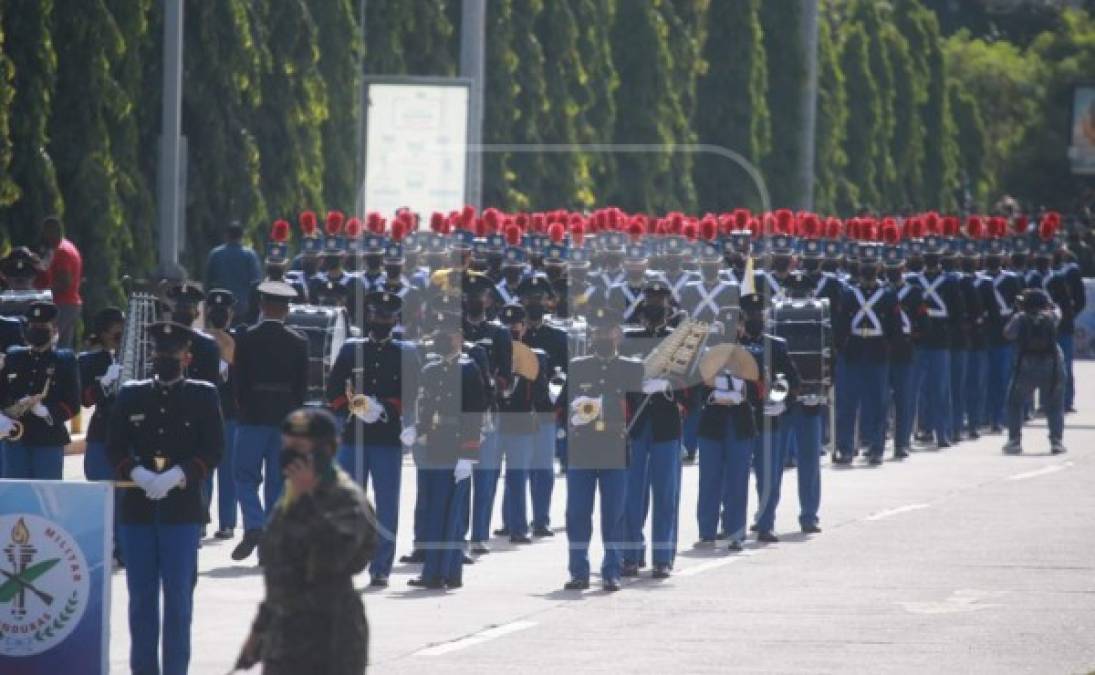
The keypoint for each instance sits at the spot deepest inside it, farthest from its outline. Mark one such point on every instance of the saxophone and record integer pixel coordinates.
(23, 406)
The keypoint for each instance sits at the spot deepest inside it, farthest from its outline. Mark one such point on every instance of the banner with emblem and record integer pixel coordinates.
(55, 567)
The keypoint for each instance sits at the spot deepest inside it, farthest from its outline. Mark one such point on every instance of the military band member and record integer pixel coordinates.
(627, 296)
(611, 272)
(597, 390)
(372, 378)
(40, 390)
(999, 292)
(869, 321)
(219, 317)
(902, 382)
(205, 361)
(970, 399)
(321, 533)
(166, 436)
(1066, 267)
(512, 272)
(265, 395)
(655, 466)
(452, 401)
(410, 296)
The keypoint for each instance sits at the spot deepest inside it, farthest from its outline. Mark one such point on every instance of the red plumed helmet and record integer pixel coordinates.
(951, 226)
(785, 221)
(1047, 229)
(932, 224)
(811, 226)
(556, 232)
(493, 219)
(975, 227)
(279, 232)
(690, 230)
(467, 215)
(577, 234)
(754, 227)
(833, 227)
(852, 228)
(522, 221)
(741, 219)
(354, 228)
(376, 223)
(635, 230)
(575, 220)
(437, 222)
(308, 222)
(890, 233)
(513, 235)
(399, 229)
(335, 220)
(998, 226)
(709, 227)
(539, 222)
(1020, 224)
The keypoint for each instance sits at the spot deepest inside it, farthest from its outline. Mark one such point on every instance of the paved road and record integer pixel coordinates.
(957, 561)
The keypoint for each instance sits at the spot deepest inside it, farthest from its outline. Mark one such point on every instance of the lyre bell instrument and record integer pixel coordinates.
(136, 349)
(22, 407)
(677, 353)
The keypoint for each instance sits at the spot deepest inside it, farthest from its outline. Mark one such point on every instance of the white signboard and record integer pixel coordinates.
(416, 147)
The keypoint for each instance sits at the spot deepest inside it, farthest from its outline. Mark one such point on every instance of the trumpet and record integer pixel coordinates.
(361, 406)
(22, 407)
(587, 410)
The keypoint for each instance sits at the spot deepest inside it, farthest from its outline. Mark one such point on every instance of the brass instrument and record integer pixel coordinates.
(732, 358)
(23, 406)
(589, 410)
(360, 404)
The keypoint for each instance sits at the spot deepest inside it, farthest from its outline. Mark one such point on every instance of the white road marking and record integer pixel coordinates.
(962, 600)
(1044, 471)
(475, 639)
(893, 512)
(714, 564)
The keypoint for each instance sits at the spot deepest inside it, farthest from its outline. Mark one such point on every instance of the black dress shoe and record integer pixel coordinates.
(629, 570)
(943, 445)
(611, 585)
(543, 532)
(811, 529)
(416, 557)
(520, 539)
(767, 537)
(419, 582)
(468, 560)
(734, 546)
(874, 460)
(660, 572)
(841, 459)
(689, 458)
(479, 548)
(454, 583)
(224, 533)
(379, 581)
(901, 453)
(974, 435)
(501, 532)
(576, 585)
(722, 536)
(996, 429)
(205, 532)
(753, 527)
(790, 463)
(247, 546)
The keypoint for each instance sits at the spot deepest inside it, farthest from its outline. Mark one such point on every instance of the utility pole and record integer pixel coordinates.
(473, 28)
(171, 167)
(809, 105)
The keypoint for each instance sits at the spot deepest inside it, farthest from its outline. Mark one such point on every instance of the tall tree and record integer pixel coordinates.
(907, 142)
(870, 15)
(341, 45)
(596, 97)
(429, 36)
(732, 109)
(87, 42)
(941, 153)
(530, 105)
(684, 32)
(385, 26)
(566, 181)
(226, 64)
(972, 145)
(9, 190)
(787, 89)
(499, 110)
(288, 126)
(29, 45)
(831, 184)
(864, 119)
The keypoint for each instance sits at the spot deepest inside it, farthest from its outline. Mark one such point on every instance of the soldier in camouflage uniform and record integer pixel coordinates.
(322, 532)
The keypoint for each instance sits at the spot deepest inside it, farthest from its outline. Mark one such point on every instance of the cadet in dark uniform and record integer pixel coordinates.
(39, 389)
(271, 380)
(452, 400)
(410, 311)
(205, 361)
(999, 292)
(321, 533)
(219, 315)
(627, 296)
(913, 315)
(597, 392)
(384, 371)
(165, 436)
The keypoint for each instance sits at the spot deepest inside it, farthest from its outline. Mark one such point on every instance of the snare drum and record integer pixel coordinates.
(326, 330)
(806, 326)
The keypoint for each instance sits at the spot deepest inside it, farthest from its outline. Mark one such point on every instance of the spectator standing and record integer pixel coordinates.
(61, 270)
(234, 267)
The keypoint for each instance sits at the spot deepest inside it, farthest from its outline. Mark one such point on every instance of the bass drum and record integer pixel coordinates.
(16, 303)
(326, 329)
(807, 327)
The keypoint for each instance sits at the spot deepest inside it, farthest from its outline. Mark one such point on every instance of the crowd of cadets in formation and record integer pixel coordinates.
(917, 307)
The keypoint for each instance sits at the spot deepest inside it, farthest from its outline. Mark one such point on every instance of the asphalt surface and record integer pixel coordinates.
(963, 560)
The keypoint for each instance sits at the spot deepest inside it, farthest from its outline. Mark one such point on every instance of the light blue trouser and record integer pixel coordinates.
(227, 504)
(691, 431)
(542, 474)
(861, 396)
(518, 449)
(976, 378)
(803, 426)
(935, 368)
(445, 517)
(724, 484)
(768, 470)
(484, 486)
(384, 464)
(903, 388)
(958, 392)
(41, 462)
(581, 487)
(160, 558)
(999, 373)
(257, 449)
(654, 474)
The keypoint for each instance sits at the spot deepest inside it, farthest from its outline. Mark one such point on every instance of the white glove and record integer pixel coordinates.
(146, 480)
(408, 436)
(224, 369)
(40, 411)
(373, 412)
(655, 385)
(462, 470)
(111, 375)
(168, 481)
(774, 409)
(6, 425)
(726, 397)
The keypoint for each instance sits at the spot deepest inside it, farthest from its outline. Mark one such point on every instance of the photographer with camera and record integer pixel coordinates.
(1039, 364)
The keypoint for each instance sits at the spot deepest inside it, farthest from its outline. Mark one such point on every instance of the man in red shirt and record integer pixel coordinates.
(62, 269)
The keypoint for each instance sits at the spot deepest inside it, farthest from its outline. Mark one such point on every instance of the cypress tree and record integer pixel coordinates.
(864, 119)
(289, 123)
(869, 14)
(499, 112)
(786, 58)
(87, 42)
(427, 39)
(907, 144)
(832, 119)
(732, 110)
(596, 97)
(341, 45)
(29, 45)
(221, 111)
(386, 22)
(972, 144)
(530, 105)
(684, 31)
(941, 153)
(9, 191)
(566, 181)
